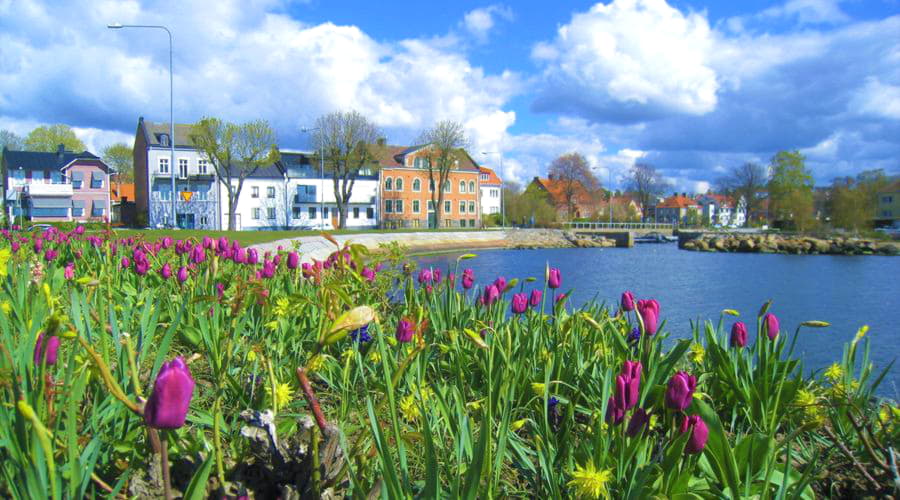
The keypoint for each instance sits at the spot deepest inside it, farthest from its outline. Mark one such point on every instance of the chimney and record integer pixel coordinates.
(60, 151)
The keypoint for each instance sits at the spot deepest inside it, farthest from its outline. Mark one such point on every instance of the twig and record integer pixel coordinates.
(850, 456)
(312, 401)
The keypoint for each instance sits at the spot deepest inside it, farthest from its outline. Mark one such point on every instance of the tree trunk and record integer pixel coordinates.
(231, 203)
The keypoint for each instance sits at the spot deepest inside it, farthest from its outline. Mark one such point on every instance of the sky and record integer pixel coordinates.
(691, 87)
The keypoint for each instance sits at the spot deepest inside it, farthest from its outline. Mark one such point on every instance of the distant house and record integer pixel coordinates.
(722, 210)
(676, 208)
(490, 186)
(624, 208)
(58, 186)
(887, 208)
(122, 205)
(583, 203)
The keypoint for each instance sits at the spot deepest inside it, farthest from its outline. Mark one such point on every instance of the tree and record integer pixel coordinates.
(852, 202)
(745, 181)
(235, 151)
(349, 142)
(646, 182)
(791, 190)
(120, 157)
(528, 206)
(575, 176)
(48, 138)
(9, 140)
(445, 144)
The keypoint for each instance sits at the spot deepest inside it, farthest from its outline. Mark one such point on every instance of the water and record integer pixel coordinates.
(847, 292)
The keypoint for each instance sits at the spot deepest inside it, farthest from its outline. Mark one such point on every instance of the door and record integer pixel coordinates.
(184, 221)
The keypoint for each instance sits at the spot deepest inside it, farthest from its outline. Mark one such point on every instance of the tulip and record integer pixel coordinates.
(207, 242)
(46, 352)
(142, 267)
(534, 299)
(699, 433)
(649, 311)
(490, 295)
(15, 246)
(50, 254)
(368, 274)
(519, 303)
(182, 274)
(771, 325)
(500, 283)
(167, 242)
(680, 392)
(631, 374)
(738, 334)
(425, 276)
(168, 404)
(166, 271)
(268, 269)
(222, 244)
(252, 256)
(468, 278)
(79, 230)
(293, 260)
(627, 301)
(69, 272)
(240, 256)
(220, 289)
(554, 280)
(614, 413)
(638, 423)
(405, 330)
(38, 245)
(277, 259)
(452, 279)
(436, 275)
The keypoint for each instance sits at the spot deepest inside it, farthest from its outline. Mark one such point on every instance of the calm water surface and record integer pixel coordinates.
(848, 292)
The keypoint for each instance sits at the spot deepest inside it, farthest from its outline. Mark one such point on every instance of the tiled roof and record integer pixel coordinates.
(393, 156)
(117, 191)
(557, 190)
(153, 130)
(677, 202)
(39, 160)
(493, 179)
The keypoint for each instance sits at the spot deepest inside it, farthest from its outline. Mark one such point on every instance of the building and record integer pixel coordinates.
(490, 195)
(262, 202)
(722, 210)
(406, 190)
(196, 197)
(583, 203)
(676, 209)
(122, 207)
(887, 207)
(624, 209)
(58, 186)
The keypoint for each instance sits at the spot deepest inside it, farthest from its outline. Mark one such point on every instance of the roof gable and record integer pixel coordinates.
(41, 160)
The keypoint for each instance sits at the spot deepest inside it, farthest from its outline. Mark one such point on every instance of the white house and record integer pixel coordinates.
(721, 210)
(490, 195)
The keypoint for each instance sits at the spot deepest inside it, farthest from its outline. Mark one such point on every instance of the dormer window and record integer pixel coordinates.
(163, 139)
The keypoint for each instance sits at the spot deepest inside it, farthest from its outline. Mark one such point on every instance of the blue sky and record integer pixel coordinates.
(692, 87)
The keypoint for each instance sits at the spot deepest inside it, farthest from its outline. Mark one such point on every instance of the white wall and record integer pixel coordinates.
(490, 200)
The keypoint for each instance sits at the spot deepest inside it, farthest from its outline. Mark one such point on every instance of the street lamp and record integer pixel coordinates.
(321, 177)
(118, 26)
(502, 175)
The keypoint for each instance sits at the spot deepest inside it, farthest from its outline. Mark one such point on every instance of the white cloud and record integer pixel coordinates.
(809, 11)
(878, 99)
(96, 140)
(479, 22)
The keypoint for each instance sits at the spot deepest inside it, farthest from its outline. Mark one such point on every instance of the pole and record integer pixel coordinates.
(322, 185)
(502, 205)
(609, 171)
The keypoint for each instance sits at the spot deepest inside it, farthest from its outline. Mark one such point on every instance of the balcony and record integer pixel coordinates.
(40, 189)
(304, 198)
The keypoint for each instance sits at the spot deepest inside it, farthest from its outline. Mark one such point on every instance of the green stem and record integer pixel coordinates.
(217, 441)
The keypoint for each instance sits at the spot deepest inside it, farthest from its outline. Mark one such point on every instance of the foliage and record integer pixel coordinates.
(646, 182)
(852, 202)
(10, 140)
(303, 388)
(747, 181)
(120, 157)
(790, 190)
(236, 151)
(47, 138)
(572, 171)
(349, 142)
(523, 207)
(444, 146)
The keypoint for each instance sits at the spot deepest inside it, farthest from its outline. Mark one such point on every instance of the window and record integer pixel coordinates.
(271, 213)
(76, 180)
(254, 192)
(415, 206)
(270, 192)
(96, 180)
(430, 206)
(887, 199)
(56, 177)
(398, 184)
(201, 167)
(324, 212)
(182, 167)
(164, 165)
(370, 213)
(204, 220)
(97, 208)
(356, 212)
(388, 184)
(447, 187)
(462, 187)
(417, 185)
(471, 222)
(471, 207)
(471, 186)
(296, 213)
(77, 208)
(256, 213)
(462, 207)
(448, 207)
(165, 194)
(484, 177)
(19, 175)
(312, 212)
(388, 206)
(398, 206)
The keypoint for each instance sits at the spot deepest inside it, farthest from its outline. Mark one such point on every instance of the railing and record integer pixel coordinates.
(598, 226)
(40, 189)
(304, 198)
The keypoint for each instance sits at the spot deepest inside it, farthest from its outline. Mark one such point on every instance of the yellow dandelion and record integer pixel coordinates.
(282, 307)
(374, 357)
(251, 356)
(272, 325)
(538, 388)
(518, 424)
(588, 482)
(6, 307)
(283, 394)
(316, 363)
(697, 353)
(834, 372)
(408, 408)
(5, 253)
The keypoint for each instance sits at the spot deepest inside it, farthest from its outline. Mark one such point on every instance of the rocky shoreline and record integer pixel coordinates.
(553, 238)
(797, 245)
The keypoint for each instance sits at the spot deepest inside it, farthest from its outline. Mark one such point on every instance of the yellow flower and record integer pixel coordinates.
(424, 391)
(408, 408)
(283, 394)
(347, 354)
(272, 325)
(538, 388)
(6, 307)
(374, 357)
(282, 307)
(697, 353)
(545, 355)
(588, 482)
(834, 372)
(316, 363)
(805, 398)
(251, 356)
(863, 330)
(474, 405)
(518, 424)
(4, 258)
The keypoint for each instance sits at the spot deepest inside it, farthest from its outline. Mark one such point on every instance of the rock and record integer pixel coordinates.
(702, 245)
(719, 244)
(747, 245)
(690, 245)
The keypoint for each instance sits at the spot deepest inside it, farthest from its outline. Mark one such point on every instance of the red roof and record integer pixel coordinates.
(557, 190)
(492, 180)
(121, 190)
(678, 202)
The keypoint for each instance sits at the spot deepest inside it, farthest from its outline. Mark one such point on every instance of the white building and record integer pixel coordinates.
(721, 210)
(490, 195)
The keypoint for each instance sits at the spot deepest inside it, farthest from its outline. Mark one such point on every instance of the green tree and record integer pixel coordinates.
(48, 138)
(9, 140)
(235, 151)
(791, 190)
(120, 157)
(445, 146)
(853, 202)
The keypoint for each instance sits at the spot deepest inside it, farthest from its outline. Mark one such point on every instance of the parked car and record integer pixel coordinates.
(40, 227)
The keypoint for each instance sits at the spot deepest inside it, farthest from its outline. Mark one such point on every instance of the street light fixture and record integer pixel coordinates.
(502, 175)
(118, 26)
(321, 177)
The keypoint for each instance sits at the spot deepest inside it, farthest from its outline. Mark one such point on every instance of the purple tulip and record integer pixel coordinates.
(436, 276)
(222, 244)
(627, 301)
(771, 326)
(405, 330)
(649, 311)
(699, 433)
(240, 256)
(490, 295)
(534, 299)
(69, 272)
(167, 242)
(468, 278)
(738, 334)
(500, 283)
(519, 303)
(182, 274)
(252, 256)
(680, 392)
(141, 267)
(50, 254)
(166, 271)
(220, 289)
(425, 276)
(168, 404)
(46, 352)
(554, 281)
(269, 269)
(638, 423)
(277, 259)
(79, 230)
(15, 246)
(293, 260)
(368, 274)
(38, 245)
(614, 413)
(631, 374)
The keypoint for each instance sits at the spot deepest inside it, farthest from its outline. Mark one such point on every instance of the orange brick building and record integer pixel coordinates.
(406, 191)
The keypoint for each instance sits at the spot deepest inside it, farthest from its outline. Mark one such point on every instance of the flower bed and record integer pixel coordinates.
(199, 368)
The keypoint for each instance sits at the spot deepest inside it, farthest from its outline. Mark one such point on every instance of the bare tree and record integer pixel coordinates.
(745, 181)
(575, 176)
(646, 182)
(235, 152)
(348, 140)
(445, 145)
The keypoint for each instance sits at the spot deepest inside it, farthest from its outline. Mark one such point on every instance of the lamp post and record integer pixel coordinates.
(118, 26)
(502, 175)
(321, 178)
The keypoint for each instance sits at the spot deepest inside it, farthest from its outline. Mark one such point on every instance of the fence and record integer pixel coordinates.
(599, 226)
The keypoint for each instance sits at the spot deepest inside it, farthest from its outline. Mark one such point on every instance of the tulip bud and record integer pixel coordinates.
(638, 423)
(368, 274)
(436, 274)
(519, 303)
(534, 299)
(490, 295)
(649, 311)
(627, 301)
(182, 274)
(739, 334)
(166, 271)
(405, 330)
(631, 373)
(770, 323)
(554, 279)
(614, 413)
(468, 278)
(252, 256)
(351, 320)
(699, 433)
(425, 276)
(500, 283)
(46, 351)
(168, 404)
(69, 272)
(293, 260)
(680, 392)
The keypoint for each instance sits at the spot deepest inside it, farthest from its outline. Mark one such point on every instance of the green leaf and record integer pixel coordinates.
(196, 489)
(722, 457)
